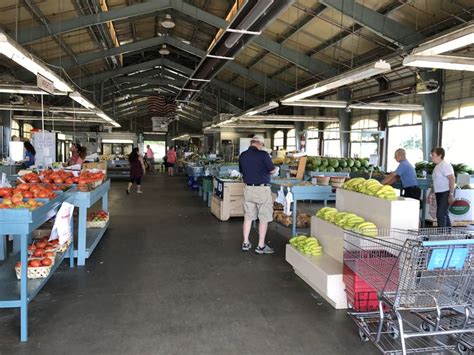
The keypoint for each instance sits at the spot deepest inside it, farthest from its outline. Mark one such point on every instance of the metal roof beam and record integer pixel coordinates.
(375, 22)
(149, 81)
(143, 9)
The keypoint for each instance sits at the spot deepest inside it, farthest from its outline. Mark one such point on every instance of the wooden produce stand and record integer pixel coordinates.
(228, 199)
(325, 273)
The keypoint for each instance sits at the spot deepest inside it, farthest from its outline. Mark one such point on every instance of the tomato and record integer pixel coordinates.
(38, 252)
(42, 194)
(35, 180)
(17, 199)
(31, 247)
(35, 263)
(55, 242)
(41, 245)
(49, 254)
(24, 187)
(69, 181)
(46, 262)
(27, 194)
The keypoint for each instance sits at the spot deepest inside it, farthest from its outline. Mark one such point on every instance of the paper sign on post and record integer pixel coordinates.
(374, 159)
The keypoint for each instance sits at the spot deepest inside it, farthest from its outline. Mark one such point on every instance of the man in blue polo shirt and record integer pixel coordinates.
(256, 166)
(406, 174)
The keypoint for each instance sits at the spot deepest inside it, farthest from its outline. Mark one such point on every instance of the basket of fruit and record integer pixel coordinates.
(89, 180)
(37, 268)
(97, 220)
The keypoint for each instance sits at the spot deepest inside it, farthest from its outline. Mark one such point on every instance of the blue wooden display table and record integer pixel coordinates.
(303, 193)
(88, 238)
(21, 223)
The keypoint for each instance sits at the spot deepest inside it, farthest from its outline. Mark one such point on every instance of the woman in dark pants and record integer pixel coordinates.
(137, 170)
(443, 186)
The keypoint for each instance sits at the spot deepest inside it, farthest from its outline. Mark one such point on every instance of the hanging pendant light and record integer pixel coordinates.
(164, 50)
(168, 22)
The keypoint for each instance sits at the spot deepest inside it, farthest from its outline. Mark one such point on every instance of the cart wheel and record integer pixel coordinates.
(393, 331)
(363, 336)
(464, 350)
(426, 327)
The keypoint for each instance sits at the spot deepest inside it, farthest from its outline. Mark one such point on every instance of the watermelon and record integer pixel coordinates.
(342, 163)
(318, 162)
(331, 169)
(357, 164)
(338, 169)
(350, 163)
(354, 169)
(324, 162)
(322, 169)
(334, 163)
(365, 163)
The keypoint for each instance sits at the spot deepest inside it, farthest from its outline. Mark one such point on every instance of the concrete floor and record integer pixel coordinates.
(169, 278)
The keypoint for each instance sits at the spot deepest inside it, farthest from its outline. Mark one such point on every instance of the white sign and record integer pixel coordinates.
(374, 159)
(45, 146)
(16, 151)
(157, 123)
(44, 84)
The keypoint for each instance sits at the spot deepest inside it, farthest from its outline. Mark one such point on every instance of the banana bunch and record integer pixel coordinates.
(371, 187)
(366, 228)
(348, 221)
(307, 245)
(387, 192)
(354, 184)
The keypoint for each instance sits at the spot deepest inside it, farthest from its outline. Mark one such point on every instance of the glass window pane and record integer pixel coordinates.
(455, 135)
(408, 138)
(291, 140)
(363, 150)
(332, 148)
(278, 140)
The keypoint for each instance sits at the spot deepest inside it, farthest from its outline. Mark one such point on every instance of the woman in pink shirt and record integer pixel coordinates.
(171, 160)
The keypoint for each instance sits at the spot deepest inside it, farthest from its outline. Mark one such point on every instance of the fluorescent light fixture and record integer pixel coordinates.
(80, 111)
(245, 32)
(15, 52)
(25, 89)
(386, 106)
(104, 116)
(164, 50)
(81, 100)
(448, 42)
(181, 137)
(338, 81)
(277, 118)
(262, 108)
(317, 103)
(197, 79)
(440, 62)
(193, 90)
(112, 140)
(259, 126)
(219, 57)
(58, 119)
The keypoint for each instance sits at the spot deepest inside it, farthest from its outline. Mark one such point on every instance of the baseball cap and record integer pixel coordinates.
(259, 139)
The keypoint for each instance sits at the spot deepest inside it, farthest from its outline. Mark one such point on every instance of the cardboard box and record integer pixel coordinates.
(100, 166)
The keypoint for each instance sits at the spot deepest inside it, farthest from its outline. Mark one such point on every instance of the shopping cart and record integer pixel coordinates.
(412, 272)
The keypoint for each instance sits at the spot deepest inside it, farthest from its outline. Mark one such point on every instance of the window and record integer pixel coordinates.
(363, 143)
(404, 132)
(291, 140)
(15, 129)
(278, 140)
(312, 141)
(455, 135)
(332, 145)
(27, 131)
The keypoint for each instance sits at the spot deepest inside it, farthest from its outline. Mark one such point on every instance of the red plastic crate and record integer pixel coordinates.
(361, 297)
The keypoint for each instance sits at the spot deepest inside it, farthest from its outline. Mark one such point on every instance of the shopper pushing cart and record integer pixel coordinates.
(410, 273)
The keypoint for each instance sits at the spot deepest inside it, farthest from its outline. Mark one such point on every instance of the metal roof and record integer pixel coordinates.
(110, 48)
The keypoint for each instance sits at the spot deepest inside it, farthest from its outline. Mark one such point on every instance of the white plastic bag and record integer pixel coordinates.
(62, 228)
(281, 196)
(277, 171)
(4, 182)
(288, 202)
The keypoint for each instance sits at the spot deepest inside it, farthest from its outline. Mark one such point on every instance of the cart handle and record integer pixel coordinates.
(439, 243)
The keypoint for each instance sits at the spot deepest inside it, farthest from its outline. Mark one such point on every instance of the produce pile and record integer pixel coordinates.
(24, 195)
(97, 220)
(89, 180)
(371, 187)
(331, 165)
(348, 221)
(428, 167)
(57, 177)
(307, 245)
(41, 256)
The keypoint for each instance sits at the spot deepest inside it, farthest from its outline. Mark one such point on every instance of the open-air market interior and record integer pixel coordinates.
(236, 176)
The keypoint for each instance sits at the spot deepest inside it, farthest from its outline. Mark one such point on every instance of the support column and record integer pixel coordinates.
(299, 126)
(322, 113)
(382, 126)
(5, 122)
(431, 116)
(344, 122)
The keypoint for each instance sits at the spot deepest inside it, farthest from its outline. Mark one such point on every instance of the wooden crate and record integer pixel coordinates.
(232, 203)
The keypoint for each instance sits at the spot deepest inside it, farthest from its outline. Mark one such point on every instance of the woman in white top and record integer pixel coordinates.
(443, 186)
